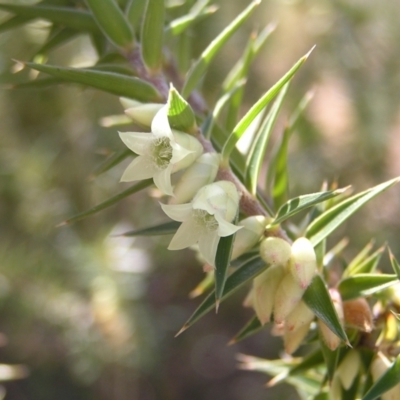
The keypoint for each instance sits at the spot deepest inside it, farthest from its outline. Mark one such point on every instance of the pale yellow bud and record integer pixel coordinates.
(202, 172)
(335, 391)
(378, 367)
(275, 251)
(349, 367)
(293, 339)
(129, 103)
(264, 290)
(357, 314)
(288, 295)
(143, 114)
(331, 340)
(303, 263)
(300, 316)
(249, 235)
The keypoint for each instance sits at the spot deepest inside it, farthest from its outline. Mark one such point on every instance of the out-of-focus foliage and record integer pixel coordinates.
(92, 314)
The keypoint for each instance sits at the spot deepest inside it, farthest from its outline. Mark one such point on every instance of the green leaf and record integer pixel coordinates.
(366, 266)
(111, 201)
(241, 276)
(253, 326)
(79, 20)
(256, 155)
(112, 22)
(58, 38)
(318, 299)
(328, 221)
(301, 203)
(181, 24)
(362, 285)
(240, 71)
(359, 258)
(330, 357)
(388, 380)
(153, 34)
(277, 174)
(112, 161)
(309, 362)
(395, 264)
(166, 228)
(120, 85)
(219, 106)
(222, 259)
(200, 66)
(134, 11)
(180, 114)
(13, 22)
(244, 123)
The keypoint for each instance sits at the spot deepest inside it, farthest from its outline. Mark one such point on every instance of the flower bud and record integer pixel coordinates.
(275, 251)
(349, 367)
(378, 367)
(293, 339)
(142, 113)
(249, 235)
(357, 314)
(288, 295)
(300, 316)
(202, 172)
(331, 340)
(303, 263)
(264, 290)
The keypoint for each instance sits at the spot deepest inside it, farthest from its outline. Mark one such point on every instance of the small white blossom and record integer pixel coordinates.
(160, 153)
(207, 218)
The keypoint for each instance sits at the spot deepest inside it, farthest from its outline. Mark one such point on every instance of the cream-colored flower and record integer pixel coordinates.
(160, 153)
(207, 218)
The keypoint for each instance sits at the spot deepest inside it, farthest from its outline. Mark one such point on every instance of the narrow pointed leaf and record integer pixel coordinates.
(59, 38)
(79, 20)
(112, 22)
(222, 260)
(112, 161)
(253, 326)
(166, 228)
(241, 276)
(395, 264)
(257, 152)
(120, 85)
(328, 221)
(362, 285)
(111, 201)
(359, 258)
(319, 301)
(311, 361)
(219, 106)
(181, 24)
(134, 12)
(13, 22)
(243, 124)
(303, 202)
(330, 357)
(368, 265)
(153, 34)
(388, 380)
(200, 66)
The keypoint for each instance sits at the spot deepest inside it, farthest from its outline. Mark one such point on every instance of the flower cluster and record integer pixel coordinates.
(205, 208)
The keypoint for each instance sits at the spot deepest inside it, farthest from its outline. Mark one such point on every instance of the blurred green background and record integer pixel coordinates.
(93, 315)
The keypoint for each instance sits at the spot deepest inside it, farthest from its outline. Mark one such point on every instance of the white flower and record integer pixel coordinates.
(207, 218)
(160, 153)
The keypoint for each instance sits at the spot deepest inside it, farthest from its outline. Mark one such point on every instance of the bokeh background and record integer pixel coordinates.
(92, 315)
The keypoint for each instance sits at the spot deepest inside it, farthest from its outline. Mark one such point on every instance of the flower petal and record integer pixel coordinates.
(162, 179)
(138, 142)
(208, 244)
(186, 235)
(160, 124)
(178, 212)
(225, 228)
(141, 167)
